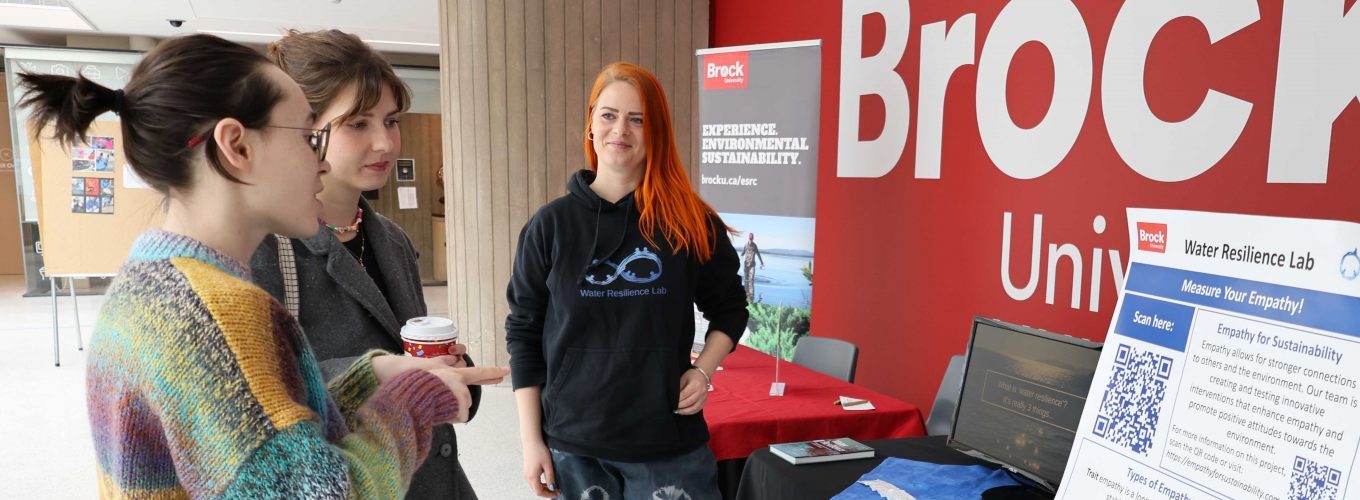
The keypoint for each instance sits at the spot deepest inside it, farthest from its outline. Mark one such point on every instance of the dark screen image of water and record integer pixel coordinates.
(782, 281)
(1014, 438)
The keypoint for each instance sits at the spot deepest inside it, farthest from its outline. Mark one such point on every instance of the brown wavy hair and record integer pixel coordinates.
(665, 199)
(326, 62)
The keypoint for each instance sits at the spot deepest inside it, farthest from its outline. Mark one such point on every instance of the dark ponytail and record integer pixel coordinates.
(177, 94)
(68, 104)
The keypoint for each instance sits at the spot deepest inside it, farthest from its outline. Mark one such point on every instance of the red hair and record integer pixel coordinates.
(666, 200)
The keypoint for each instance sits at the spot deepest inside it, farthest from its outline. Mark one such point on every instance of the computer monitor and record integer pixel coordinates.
(1023, 392)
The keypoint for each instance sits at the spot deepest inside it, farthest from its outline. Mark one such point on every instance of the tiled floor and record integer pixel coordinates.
(45, 448)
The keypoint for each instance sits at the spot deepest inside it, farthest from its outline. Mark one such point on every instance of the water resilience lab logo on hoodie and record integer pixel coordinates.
(624, 269)
(635, 268)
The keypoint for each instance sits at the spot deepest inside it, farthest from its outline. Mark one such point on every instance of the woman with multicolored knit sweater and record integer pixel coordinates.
(200, 384)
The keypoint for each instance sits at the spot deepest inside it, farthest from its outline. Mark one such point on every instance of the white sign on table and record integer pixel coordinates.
(1230, 367)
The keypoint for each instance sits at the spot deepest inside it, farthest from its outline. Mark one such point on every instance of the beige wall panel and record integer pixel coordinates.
(576, 88)
(555, 60)
(628, 13)
(646, 23)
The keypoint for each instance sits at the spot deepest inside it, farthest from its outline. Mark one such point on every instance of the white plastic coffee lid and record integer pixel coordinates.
(429, 328)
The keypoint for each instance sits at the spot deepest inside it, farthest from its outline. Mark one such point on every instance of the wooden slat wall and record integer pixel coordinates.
(516, 75)
(421, 139)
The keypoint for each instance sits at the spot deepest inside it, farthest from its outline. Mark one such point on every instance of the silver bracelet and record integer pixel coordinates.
(707, 380)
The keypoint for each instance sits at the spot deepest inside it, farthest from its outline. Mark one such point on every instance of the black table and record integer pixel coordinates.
(769, 477)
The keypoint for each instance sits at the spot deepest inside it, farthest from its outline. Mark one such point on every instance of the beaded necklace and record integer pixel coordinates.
(352, 228)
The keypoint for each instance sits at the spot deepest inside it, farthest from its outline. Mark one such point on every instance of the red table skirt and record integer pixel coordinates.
(743, 417)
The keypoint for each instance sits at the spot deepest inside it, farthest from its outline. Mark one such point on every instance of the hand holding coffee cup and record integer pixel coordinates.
(432, 345)
(388, 367)
(430, 337)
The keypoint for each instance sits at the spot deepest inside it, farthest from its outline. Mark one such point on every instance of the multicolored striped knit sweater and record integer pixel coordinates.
(201, 385)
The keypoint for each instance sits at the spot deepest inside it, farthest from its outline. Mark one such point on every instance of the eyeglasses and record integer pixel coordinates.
(319, 140)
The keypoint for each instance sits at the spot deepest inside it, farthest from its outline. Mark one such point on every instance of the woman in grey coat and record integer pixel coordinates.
(356, 282)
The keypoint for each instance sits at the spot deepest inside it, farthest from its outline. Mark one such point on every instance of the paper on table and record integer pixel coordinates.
(887, 490)
(406, 198)
(852, 404)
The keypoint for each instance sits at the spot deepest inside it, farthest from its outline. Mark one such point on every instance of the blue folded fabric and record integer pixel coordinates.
(927, 481)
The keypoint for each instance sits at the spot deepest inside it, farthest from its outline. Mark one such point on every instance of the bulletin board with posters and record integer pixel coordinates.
(91, 205)
(61, 239)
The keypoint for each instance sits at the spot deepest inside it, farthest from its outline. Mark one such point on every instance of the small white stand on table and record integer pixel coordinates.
(777, 388)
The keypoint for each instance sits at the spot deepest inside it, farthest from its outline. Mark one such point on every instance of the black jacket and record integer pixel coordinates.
(605, 323)
(344, 314)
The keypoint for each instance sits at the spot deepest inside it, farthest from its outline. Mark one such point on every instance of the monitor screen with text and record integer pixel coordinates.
(1022, 397)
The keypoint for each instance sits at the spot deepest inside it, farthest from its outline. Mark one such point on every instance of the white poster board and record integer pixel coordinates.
(1230, 367)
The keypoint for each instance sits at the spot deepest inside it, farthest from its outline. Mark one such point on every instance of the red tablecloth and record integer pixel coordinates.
(743, 417)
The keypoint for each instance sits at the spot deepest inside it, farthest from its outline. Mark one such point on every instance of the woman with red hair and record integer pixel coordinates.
(601, 318)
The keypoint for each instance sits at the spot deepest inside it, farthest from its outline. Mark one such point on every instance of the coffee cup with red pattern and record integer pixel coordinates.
(428, 337)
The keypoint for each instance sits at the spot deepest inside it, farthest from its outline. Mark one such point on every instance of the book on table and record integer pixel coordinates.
(821, 450)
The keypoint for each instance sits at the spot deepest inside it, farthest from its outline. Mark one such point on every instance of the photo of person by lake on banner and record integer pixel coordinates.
(776, 270)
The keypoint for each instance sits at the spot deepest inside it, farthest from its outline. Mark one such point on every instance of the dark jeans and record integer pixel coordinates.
(692, 476)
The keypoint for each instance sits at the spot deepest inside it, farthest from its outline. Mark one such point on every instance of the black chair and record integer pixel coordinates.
(946, 399)
(833, 357)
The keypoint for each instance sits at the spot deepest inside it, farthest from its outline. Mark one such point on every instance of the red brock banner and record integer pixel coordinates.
(977, 157)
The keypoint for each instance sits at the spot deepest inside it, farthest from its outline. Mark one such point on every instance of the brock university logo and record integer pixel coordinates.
(1152, 237)
(725, 71)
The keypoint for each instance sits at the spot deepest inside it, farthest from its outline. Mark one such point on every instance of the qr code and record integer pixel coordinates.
(1312, 481)
(1132, 404)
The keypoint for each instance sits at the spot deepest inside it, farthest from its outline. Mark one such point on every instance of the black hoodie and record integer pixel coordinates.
(605, 323)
